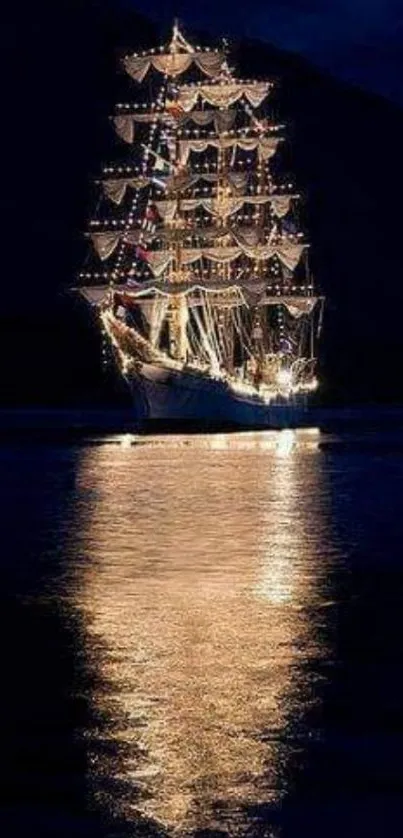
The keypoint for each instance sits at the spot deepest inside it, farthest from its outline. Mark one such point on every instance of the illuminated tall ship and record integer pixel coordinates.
(204, 289)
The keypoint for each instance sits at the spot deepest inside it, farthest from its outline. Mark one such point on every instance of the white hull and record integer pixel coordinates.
(168, 397)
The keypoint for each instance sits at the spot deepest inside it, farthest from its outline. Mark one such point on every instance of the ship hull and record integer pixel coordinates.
(172, 399)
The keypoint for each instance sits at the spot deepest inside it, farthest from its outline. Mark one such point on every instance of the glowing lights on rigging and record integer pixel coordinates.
(162, 140)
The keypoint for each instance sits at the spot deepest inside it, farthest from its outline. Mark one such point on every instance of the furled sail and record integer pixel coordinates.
(115, 189)
(223, 96)
(173, 64)
(124, 127)
(224, 207)
(106, 243)
(266, 146)
(297, 306)
(288, 252)
(223, 120)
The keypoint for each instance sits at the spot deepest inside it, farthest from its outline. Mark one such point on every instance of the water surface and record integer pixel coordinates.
(203, 635)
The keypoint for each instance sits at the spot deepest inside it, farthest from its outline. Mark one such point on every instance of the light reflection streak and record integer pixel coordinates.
(202, 557)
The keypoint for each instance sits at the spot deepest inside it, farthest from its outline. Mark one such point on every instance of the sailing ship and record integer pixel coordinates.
(204, 289)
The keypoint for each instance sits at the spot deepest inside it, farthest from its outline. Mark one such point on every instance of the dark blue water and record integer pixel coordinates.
(203, 637)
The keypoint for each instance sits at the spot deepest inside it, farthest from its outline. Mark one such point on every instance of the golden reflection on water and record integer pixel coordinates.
(203, 558)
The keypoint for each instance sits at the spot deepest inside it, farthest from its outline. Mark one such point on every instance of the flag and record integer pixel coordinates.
(150, 219)
(285, 345)
(141, 253)
(289, 226)
(151, 213)
(174, 109)
(161, 165)
(261, 124)
(158, 182)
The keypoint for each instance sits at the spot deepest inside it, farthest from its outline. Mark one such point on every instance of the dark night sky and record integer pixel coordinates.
(360, 41)
(60, 84)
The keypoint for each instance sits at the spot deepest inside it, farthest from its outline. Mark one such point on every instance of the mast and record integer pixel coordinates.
(177, 313)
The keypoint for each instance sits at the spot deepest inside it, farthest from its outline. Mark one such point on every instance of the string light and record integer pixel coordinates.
(260, 181)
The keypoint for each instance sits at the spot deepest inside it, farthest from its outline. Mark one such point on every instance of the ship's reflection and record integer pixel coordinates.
(204, 570)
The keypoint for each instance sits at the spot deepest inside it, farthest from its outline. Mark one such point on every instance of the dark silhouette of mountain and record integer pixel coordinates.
(345, 151)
